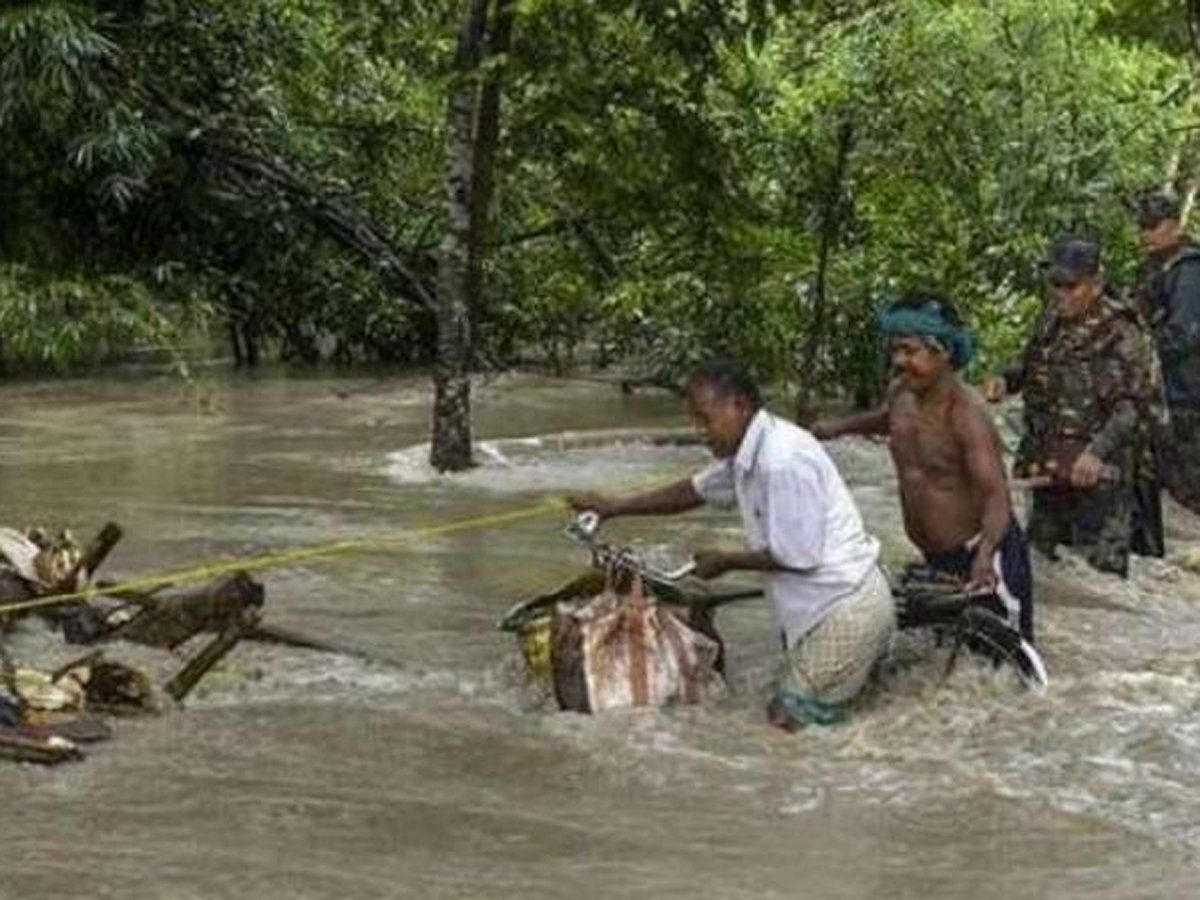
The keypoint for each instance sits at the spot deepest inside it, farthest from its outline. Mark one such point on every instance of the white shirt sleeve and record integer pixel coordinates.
(715, 484)
(794, 519)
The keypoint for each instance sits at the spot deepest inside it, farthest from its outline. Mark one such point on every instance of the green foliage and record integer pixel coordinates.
(712, 178)
(113, 117)
(676, 178)
(46, 72)
(1160, 22)
(55, 325)
(980, 132)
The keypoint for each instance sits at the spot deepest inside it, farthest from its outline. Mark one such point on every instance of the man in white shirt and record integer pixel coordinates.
(833, 608)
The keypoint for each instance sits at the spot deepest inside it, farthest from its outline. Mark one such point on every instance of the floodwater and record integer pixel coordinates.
(295, 774)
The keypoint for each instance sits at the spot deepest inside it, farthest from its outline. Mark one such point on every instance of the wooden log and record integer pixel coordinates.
(87, 659)
(46, 751)
(173, 619)
(118, 689)
(1059, 478)
(86, 727)
(13, 589)
(97, 551)
(212, 653)
(145, 597)
(1033, 483)
(108, 686)
(273, 634)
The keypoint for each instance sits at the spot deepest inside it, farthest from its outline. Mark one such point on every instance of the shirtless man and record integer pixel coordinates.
(953, 487)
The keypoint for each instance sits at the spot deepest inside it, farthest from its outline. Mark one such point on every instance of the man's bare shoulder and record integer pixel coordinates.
(970, 417)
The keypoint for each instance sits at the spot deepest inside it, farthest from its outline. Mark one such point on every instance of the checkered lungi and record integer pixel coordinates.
(829, 665)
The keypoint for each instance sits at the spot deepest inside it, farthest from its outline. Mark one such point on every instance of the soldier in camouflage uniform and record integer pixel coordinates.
(1087, 376)
(1168, 296)
(1147, 538)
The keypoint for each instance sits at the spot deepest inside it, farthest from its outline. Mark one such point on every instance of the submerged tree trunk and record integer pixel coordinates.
(1189, 190)
(485, 138)
(472, 134)
(1189, 202)
(451, 441)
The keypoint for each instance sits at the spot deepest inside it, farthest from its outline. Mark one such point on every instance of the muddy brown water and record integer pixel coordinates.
(293, 774)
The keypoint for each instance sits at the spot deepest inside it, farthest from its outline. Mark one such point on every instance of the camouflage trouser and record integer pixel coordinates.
(1096, 523)
(1147, 536)
(1179, 457)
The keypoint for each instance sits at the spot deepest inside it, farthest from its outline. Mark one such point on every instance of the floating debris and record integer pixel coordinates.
(45, 715)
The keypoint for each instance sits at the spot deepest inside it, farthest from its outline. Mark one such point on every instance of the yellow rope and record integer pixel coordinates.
(276, 560)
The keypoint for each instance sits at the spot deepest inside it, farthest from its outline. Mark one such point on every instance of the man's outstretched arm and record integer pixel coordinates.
(867, 423)
(673, 498)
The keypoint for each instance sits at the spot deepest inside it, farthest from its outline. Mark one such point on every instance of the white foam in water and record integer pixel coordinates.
(1112, 739)
(270, 675)
(489, 451)
(617, 459)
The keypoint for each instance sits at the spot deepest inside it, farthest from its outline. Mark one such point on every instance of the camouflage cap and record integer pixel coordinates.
(1154, 207)
(1072, 258)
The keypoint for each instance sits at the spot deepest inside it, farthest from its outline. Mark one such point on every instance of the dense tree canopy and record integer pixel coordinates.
(673, 178)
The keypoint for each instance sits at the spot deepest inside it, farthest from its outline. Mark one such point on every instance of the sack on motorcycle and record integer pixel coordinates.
(625, 650)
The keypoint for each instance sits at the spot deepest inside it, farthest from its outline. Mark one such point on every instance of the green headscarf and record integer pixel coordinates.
(930, 323)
